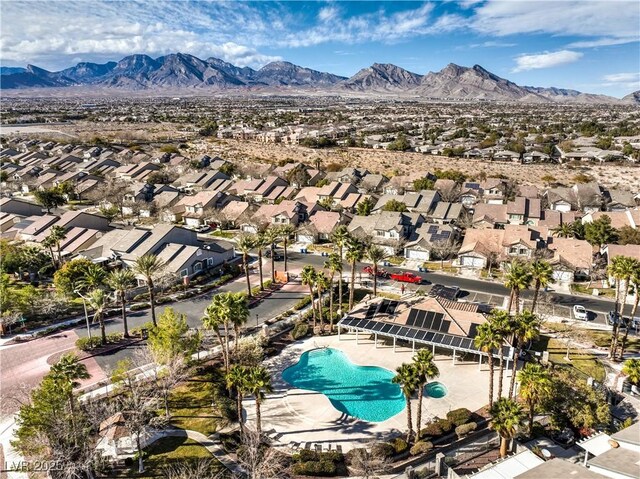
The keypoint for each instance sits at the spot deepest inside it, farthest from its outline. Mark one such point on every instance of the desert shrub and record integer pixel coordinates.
(400, 445)
(224, 404)
(305, 455)
(431, 430)
(465, 429)
(302, 303)
(445, 425)
(383, 449)
(421, 447)
(459, 416)
(139, 306)
(353, 452)
(141, 297)
(300, 330)
(87, 344)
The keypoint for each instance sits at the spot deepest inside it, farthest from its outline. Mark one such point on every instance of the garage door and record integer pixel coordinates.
(419, 255)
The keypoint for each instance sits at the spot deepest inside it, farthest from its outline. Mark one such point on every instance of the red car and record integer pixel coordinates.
(407, 277)
(381, 272)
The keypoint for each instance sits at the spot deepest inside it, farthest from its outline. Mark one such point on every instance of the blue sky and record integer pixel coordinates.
(587, 45)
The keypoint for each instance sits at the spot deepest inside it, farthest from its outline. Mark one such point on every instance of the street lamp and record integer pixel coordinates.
(86, 315)
(257, 320)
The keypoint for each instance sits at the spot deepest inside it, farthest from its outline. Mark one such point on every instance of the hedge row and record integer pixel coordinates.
(312, 463)
(87, 344)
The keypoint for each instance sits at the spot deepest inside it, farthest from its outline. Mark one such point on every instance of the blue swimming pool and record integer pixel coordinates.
(365, 392)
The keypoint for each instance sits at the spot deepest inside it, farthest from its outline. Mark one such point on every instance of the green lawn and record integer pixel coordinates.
(581, 360)
(191, 406)
(602, 339)
(224, 233)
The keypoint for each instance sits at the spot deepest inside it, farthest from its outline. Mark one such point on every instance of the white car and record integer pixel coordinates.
(580, 313)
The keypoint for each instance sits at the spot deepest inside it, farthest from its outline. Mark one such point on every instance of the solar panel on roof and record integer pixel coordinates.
(438, 338)
(446, 340)
(444, 327)
(473, 330)
(437, 323)
(466, 343)
(420, 318)
(386, 328)
(392, 307)
(377, 327)
(411, 320)
(371, 312)
(394, 330)
(403, 331)
(456, 342)
(429, 336)
(432, 229)
(420, 336)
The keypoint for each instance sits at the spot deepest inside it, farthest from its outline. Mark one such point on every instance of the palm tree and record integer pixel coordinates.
(407, 377)
(635, 282)
(488, 340)
(258, 383)
(322, 283)
(501, 325)
(239, 314)
(308, 277)
(97, 299)
(355, 253)
(49, 243)
(334, 265)
(260, 241)
(245, 244)
(237, 378)
(285, 231)
(517, 278)
(542, 275)
(426, 369)
(564, 230)
(149, 267)
(507, 417)
(271, 236)
(121, 281)
(66, 372)
(93, 277)
(622, 268)
(216, 315)
(58, 234)
(535, 385)
(631, 368)
(339, 238)
(525, 327)
(375, 255)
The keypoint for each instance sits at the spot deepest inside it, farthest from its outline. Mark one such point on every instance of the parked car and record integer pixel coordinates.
(382, 273)
(276, 255)
(613, 317)
(407, 277)
(580, 313)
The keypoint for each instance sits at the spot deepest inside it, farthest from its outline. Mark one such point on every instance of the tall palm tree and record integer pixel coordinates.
(426, 370)
(58, 235)
(285, 232)
(49, 243)
(93, 277)
(635, 282)
(121, 281)
(506, 419)
(535, 385)
(149, 267)
(542, 275)
(500, 323)
(271, 236)
(98, 299)
(258, 383)
(407, 378)
(339, 238)
(245, 244)
(66, 372)
(525, 327)
(308, 277)
(517, 278)
(622, 268)
(322, 283)
(334, 265)
(238, 378)
(260, 242)
(375, 255)
(217, 315)
(355, 253)
(239, 314)
(488, 340)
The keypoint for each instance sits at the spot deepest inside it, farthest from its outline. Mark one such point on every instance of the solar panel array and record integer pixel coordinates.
(371, 312)
(428, 320)
(412, 333)
(433, 229)
(388, 306)
(442, 236)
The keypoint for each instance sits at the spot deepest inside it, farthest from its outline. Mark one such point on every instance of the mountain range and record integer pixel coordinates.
(180, 71)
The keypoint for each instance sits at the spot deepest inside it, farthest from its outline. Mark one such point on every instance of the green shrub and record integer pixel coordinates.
(421, 447)
(465, 429)
(459, 416)
(383, 449)
(139, 306)
(445, 425)
(141, 297)
(314, 468)
(400, 445)
(300, 330)
(225, 405)
(431, 430)
(87, 344)
(115, 337)
(306, 455)
(304, 302)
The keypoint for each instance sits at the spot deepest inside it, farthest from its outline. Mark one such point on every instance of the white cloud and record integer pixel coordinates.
(610, 20)
(327, 13)
(545, 60)
(602, 42)
(622, 77)
(492, 44)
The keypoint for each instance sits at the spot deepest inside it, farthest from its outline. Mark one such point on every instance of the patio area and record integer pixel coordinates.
(306, 419)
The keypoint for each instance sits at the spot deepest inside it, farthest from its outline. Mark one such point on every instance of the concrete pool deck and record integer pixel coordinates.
(291, 415)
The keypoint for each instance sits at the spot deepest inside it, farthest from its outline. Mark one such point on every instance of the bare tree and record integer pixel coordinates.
(258, 460)
(366, 464)
(443, 249)
(198, 469)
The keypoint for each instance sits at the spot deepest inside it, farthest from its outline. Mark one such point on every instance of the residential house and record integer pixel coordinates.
(572, 258)
(523, 211)
(489, 216)
(20, 207)
(388, 229)
(335, 192)
(493, 190)
(287, 212)
(619, 200)
(422, 201)
(445, 212)
(201, 180)
(372, 183)
(420, 243)
(136, 171)
(630, 218)
(196, 206)
(320, 226)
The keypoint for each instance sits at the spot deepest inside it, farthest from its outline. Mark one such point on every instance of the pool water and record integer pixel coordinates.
(365, 392)
(435, 390)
